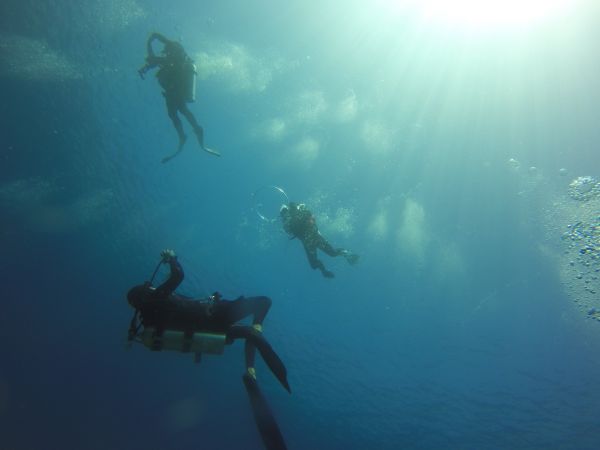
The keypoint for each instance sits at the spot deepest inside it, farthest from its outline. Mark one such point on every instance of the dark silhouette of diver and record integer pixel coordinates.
(164, 320)
(300, 223)
(177, 77)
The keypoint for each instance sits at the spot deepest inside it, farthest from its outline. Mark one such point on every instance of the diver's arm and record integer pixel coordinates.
(152, 60)
(175, 277)
(151, 39)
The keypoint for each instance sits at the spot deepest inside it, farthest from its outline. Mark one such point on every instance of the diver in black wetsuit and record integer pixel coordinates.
(161, 310)
(299, 222)
(176, 74)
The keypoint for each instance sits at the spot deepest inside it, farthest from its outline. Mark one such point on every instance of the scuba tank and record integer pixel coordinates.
(189, 81)
(179, 341)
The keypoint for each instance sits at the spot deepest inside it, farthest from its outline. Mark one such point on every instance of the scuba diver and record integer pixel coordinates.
(299, 222)
(177, 77)
(164, 320)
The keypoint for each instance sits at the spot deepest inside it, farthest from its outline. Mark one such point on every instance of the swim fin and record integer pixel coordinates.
(267, 426)
(168, 158)
(273, 361)
(266, 351)
(352, 258)
(211, 151)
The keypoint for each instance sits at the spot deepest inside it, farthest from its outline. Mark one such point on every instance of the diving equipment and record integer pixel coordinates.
(212, 343)
(189, 81)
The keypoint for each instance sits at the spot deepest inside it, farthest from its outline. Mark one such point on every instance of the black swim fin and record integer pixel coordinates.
(272, 360)
(266, 351)
(267, 426)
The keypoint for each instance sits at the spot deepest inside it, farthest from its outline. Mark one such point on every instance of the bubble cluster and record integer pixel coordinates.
(35, 60)
(582, 240)
(584, 188)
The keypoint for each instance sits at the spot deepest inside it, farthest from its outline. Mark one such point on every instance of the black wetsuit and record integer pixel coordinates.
(300, 223)
(172, 77)
(163, 309)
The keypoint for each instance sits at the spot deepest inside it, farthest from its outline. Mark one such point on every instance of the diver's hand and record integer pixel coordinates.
(167, 255)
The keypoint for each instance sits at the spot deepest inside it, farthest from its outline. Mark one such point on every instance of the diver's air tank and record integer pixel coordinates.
(177, 341)
(190, 82)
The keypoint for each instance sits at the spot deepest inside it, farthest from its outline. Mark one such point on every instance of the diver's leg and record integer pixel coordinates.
(198, 130)
(172, 111)
(315, 263)
(328, 249)
(228, 312)
(193, 122)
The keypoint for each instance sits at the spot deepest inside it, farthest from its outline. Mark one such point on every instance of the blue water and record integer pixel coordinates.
(460, 327)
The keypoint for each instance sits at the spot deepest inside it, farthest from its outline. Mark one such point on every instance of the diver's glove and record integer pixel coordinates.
(167, 255)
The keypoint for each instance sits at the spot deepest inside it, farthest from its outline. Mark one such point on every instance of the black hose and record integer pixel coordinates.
(156, 270)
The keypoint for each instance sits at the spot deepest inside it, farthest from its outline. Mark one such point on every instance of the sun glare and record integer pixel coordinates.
(484, 13)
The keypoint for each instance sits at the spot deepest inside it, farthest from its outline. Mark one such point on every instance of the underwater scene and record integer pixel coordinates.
(300, 224)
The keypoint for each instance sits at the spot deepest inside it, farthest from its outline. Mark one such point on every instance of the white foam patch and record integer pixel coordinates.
(306, 109)
(236, 67)
(379, 226)
(117, 15)
(305, 152)
(34, 59)
(340, 223)
(376, 136)
(184, 414)
(273, 130)
(347, 108)
(69, 216)
(412, 235)
(309, 107)
(30, 201)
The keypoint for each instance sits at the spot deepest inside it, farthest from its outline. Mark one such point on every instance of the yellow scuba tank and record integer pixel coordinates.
(189, 81)
(212, 343)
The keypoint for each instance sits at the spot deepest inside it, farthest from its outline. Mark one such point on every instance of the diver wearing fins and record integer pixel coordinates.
(165, 320)
(177, 77)
(299, 222)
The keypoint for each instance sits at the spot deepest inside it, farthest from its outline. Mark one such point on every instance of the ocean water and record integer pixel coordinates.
(446, 154)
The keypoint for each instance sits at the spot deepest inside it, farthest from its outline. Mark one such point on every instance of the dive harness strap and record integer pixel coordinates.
(134, 326)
